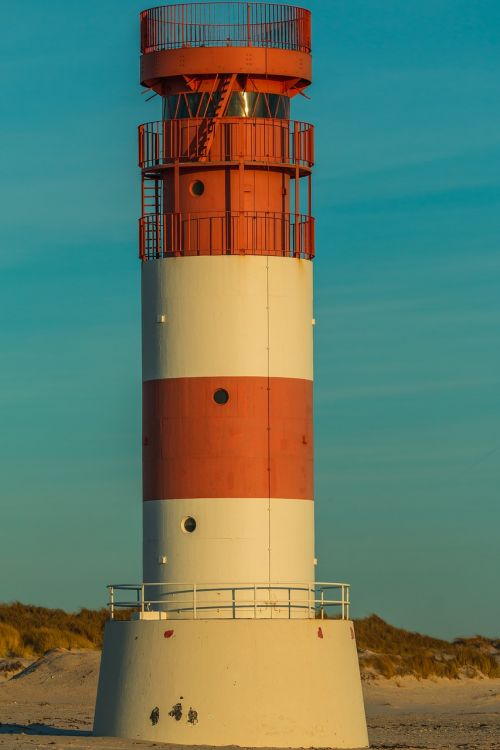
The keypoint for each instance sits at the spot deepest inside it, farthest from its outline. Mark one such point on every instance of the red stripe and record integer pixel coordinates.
(259, 444)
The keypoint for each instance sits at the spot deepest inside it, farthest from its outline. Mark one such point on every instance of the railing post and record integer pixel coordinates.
(311, 585)
(297, 191)
(311, 237)
(241, 243)
(142, 598)
(111, 601)
(233, 592)
(343, 601)
(322, 604)
(158, 243)
(309, 195)
(195, 614)
(255, 601)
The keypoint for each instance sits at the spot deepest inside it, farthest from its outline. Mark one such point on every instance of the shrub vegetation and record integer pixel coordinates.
(28, 632)
(393, 652)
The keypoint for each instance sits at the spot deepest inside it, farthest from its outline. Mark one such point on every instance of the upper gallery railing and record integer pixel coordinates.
(225, 24)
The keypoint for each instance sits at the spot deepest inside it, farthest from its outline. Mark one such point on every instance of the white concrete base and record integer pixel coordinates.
(251, 683)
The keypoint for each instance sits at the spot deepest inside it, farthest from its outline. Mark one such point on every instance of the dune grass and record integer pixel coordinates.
(27, 631)
(392, 652)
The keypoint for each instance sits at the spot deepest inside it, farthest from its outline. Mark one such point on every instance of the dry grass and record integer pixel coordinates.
(11, 643)
(27, 631)
(391, 652)
(8, 667)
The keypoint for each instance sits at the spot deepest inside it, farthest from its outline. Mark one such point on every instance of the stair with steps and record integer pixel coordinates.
(207, 135)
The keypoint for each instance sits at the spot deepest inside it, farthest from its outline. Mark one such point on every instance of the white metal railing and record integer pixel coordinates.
(233, 601)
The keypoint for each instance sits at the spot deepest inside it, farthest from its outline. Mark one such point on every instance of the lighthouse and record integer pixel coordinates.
(229, 640)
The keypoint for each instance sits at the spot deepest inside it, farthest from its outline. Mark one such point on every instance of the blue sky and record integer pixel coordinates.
(406, 197)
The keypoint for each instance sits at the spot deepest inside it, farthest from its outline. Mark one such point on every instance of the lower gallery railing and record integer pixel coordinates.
(226, 233)
(232, 601)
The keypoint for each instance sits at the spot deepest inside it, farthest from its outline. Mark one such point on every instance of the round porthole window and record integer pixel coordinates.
(188, 524)
(197, 188)
(221, 396)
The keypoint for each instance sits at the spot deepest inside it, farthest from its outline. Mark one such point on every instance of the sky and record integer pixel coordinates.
(407, 359)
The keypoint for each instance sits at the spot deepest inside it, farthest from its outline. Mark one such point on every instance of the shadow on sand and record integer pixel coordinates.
(42, 729)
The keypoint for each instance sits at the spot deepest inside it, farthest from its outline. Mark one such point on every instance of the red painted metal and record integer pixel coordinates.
(225, 24)
(226, 233)
(258, 444)
(210, 60)
(285, 71)
(284, 143)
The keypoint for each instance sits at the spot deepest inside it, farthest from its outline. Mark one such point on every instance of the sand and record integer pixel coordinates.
(50, 705)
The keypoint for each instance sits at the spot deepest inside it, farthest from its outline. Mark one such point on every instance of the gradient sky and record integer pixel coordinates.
(406, 195)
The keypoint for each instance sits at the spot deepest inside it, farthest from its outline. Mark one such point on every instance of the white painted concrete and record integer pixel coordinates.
(224, 315)
(252, 683)
(237, 540)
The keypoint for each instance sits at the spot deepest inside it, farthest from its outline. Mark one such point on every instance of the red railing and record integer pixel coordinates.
(226, 233)
(256, 140)
(223, 24)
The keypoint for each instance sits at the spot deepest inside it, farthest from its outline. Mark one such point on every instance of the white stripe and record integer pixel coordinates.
(227, 315)
(231, 541)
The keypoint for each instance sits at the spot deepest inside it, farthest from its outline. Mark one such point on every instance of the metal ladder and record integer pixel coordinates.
(152, 209)
(152, 190)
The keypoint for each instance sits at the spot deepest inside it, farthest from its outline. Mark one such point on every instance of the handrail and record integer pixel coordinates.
(226, 233)
(263, 140)
(223, 24)
(238, 600)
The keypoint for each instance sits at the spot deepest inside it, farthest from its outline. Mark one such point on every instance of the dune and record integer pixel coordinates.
(53, 698)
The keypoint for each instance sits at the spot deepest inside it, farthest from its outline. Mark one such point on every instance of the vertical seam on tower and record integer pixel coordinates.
(268, 425)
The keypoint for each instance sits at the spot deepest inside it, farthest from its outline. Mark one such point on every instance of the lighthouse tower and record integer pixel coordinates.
(229, 640)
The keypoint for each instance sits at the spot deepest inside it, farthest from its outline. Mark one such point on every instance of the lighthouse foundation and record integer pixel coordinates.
(250, 683)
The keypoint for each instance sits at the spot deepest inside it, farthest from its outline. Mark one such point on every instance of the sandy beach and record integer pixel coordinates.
(51, 705)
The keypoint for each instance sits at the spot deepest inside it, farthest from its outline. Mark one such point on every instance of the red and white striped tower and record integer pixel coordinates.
(227, 300)
(227, 317)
